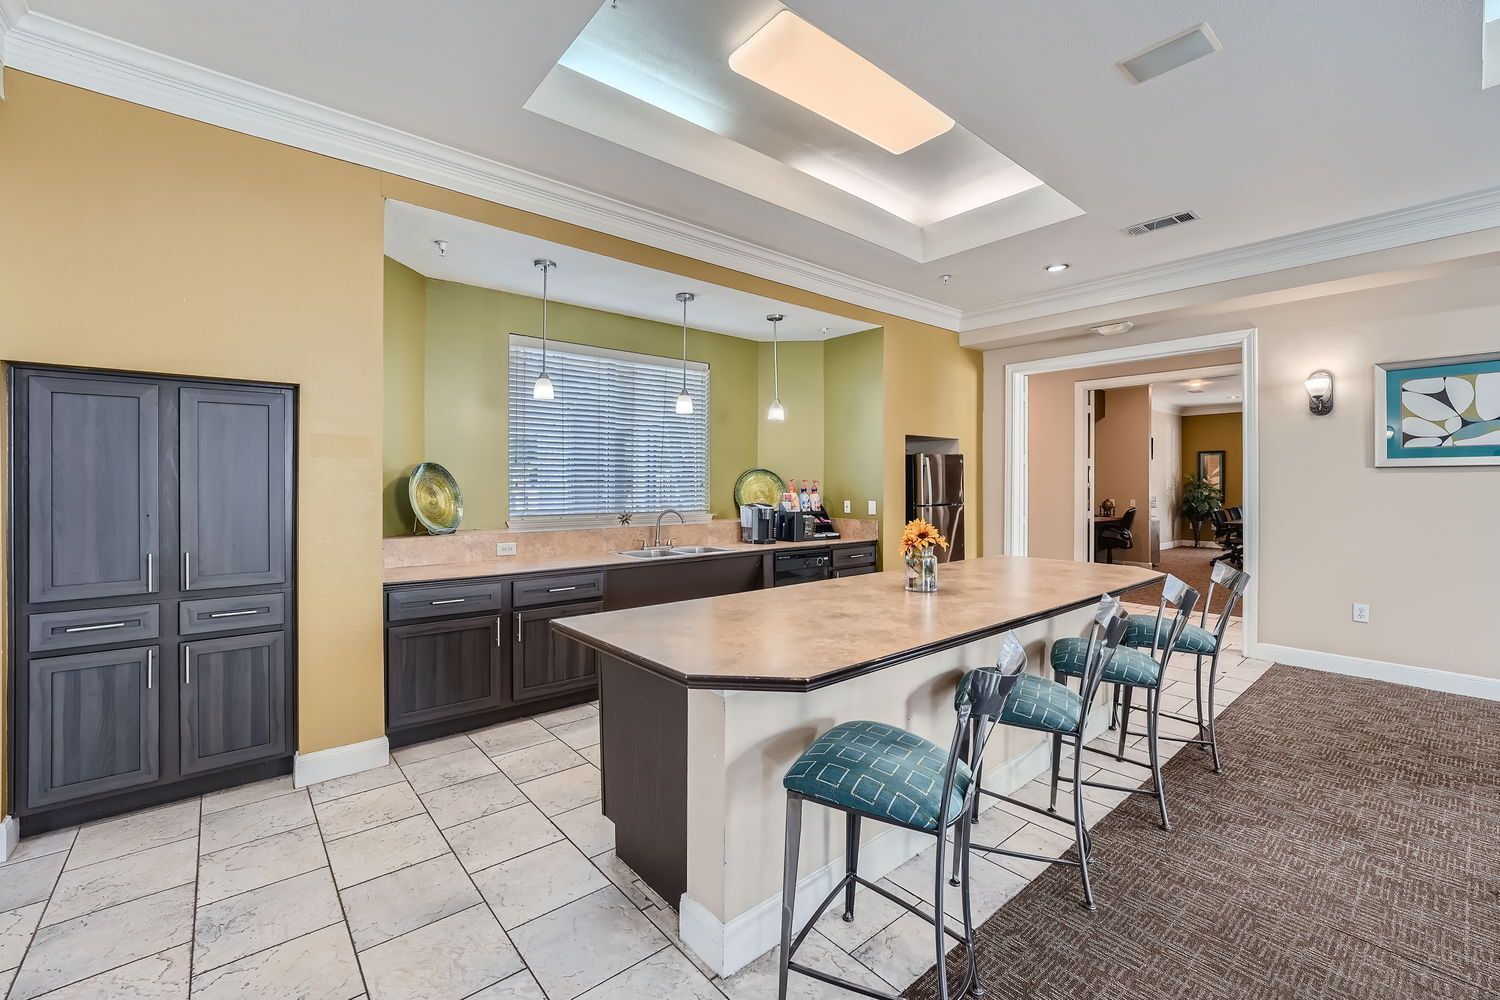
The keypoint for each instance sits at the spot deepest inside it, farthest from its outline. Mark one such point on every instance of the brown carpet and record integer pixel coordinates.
(1351, 849)
(1192, 566)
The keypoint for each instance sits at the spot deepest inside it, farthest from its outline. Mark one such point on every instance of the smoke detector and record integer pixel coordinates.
(1113, 329)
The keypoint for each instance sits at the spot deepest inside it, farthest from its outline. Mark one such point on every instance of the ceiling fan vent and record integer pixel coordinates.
(1165, 222)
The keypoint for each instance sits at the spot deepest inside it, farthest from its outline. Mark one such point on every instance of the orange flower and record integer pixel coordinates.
(920, 536)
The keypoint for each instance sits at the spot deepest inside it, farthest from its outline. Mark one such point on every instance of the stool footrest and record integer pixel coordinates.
(1113, 788)
(1027, 805)
(1007, 852)
(1121, 758)
(1172, 739)
(832, 980)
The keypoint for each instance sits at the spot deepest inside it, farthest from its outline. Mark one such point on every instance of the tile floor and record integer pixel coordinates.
(472, 866)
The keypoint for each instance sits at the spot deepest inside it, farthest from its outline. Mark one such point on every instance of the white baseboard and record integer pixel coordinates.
(336, 762)
(728, 948)
(10, 836)
(1396, 673)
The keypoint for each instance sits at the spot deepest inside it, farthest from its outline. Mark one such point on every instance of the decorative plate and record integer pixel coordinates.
(435, 499)
(758, 486)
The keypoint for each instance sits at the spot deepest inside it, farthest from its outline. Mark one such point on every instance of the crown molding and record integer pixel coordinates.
(69, 54)
(1449, 217)
(11, 12)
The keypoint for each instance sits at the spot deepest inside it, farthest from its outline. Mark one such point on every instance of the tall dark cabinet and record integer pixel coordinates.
(152, 589)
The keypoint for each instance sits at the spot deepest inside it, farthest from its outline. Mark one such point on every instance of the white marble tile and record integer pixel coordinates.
(253, 921)
(243, 795)
(105, 939)
(758, 980)
(15, 933)
(316, 966)
(471, 799)
(449, 769)
(580, 734)
(243, 824)
(163, 976)
(520, 986)
(249, 866)
(30, 881)
(542, 759)
(592, 754)
(588, 828)
(384, 849)
(119, 880)
(451, 958)
(622, 876)
(367, 810)
(619, 936)
(665, 974)
(508, 736)
(872, 912)
(433, 748)
(1033, 840)
(564, 790)
(563, 716)
(5, 980)
(526, 887)
(113, 838)
(361, 781)
(394, 904)
(501, 836)
(902, 951)
(52, 842)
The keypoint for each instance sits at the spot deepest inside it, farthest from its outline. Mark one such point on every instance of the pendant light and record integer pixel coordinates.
(684, 401)
(777, 411)
(543, 387)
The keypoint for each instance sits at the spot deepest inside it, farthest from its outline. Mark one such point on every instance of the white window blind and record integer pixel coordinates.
(609, 442)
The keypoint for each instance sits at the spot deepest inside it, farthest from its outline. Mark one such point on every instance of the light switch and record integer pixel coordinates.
(848, 507)
(872, 507)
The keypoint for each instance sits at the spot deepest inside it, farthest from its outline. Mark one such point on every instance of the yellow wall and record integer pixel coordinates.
(1216, 432)
(405, 392)
(1122, 463)
(854, 421)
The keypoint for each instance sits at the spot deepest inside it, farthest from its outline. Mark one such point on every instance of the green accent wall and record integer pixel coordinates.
(405, 350)
(853, 420)
(793, 448)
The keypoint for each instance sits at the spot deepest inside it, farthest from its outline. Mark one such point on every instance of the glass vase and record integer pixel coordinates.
(921, 571)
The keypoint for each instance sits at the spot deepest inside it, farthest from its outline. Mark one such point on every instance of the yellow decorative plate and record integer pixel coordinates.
(758, 486)
(435, 499)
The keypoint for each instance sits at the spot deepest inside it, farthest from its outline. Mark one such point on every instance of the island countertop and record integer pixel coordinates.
(805, 637)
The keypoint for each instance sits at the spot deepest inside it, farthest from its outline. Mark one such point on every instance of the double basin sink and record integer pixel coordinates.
(673, 552)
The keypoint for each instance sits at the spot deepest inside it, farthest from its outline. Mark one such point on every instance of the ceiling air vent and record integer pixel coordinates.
(1165, 222)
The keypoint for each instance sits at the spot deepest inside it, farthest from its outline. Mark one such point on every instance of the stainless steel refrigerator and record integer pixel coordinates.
(935, 493)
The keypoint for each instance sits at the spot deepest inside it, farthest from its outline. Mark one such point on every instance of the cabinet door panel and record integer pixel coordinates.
(93, 724)
(234, 701)
(236, 497)
(438, 670)
(92, 487)
(543, 663)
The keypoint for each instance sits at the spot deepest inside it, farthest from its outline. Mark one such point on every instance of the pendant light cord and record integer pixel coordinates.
(545, 269)
(775, 364)
(684, 341)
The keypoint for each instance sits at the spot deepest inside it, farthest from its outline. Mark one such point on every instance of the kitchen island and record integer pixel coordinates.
(705, 704)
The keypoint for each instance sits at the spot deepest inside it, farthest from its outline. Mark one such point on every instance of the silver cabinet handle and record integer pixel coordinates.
(234, 614)
(518, 628)
(448, 600)
(187, 663)
(187, 571)
(95, 628)
(560, 590)
(150, 573)
(499, 632)
(150, 668)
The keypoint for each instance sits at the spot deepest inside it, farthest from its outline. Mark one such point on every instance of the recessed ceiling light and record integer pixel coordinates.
(809, 67)
(1055, 268)
(1179, 50)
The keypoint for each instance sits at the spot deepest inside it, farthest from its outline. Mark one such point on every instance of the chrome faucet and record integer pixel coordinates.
(656, 537)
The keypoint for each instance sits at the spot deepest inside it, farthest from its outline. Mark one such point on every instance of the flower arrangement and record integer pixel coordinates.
(919, 545)
(920, 536)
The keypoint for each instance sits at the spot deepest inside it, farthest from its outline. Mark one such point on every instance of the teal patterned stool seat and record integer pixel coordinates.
(1043, 705)
(1141, 631)
(1127, 666)
(881, 771)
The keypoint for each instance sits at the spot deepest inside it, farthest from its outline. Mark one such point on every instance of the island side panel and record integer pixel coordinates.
(643, 745)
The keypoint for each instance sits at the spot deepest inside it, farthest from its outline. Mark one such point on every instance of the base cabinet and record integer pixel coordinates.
(544, 664)
(233, 698)
(443, 669)
(93, 724)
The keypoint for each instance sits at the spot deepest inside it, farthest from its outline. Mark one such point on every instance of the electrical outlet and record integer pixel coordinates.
(505, 548)
(848, 507)
(1362, 613)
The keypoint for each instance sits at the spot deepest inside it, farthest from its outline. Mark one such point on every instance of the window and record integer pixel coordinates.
(610, 442)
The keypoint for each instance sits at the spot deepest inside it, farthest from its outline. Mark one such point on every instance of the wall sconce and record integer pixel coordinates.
(1320, 392)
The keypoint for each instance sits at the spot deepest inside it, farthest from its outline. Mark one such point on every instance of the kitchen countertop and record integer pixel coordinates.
(520, 565)
(808, 636)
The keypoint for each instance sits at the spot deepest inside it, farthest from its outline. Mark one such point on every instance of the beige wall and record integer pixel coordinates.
(1166, 471)
(1122, 463)
(1412, 543)
(405, 391)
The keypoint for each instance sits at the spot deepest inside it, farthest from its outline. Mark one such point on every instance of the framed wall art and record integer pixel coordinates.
(1445, 411)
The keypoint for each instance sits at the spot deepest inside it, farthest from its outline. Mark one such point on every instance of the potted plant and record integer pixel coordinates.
(919, 544)
(1200, 498)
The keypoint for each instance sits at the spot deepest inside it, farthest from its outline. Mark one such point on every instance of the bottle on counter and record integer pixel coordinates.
(789, 498)
(815, 498)
(804, 498)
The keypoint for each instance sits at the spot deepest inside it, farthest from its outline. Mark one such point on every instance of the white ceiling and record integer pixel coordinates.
(1312, 116)
(1222, 390)
(498, 258)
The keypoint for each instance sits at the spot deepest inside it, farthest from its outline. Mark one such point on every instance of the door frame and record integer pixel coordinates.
(1017, 481)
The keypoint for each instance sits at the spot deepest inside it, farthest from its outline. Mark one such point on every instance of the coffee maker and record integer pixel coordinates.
(757, 524)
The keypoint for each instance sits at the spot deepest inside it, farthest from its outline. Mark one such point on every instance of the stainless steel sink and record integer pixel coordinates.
(697, 550)
(657, 553)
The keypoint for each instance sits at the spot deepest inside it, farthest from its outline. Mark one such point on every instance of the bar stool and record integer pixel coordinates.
(1198, 641)
(871, 770)
(1050, 707)
(1131, 668)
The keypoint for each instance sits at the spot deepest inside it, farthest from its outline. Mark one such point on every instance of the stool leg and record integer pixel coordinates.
(789, 886)
(975, 987)
(1056, 766)
(1213, 736)
(1198, 696)
(1080, 826)
(939, 921)
(1124, 723)
(851, 856)
(1153, 726)
(1114, 707)
(978, 769)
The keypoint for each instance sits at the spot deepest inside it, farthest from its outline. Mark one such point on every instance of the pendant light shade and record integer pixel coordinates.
(542, 389)
(777, 411)
(684, 401)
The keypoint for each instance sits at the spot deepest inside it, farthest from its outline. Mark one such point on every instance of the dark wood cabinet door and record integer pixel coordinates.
(543, 663)
(235, 469)
(438, 670)
(233, 697)
(92, 487)
(93, 724)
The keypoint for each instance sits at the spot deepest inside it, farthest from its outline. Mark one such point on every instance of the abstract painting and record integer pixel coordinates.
(1440, 412)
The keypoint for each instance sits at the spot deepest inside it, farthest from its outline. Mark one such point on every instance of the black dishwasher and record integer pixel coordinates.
(801, 566)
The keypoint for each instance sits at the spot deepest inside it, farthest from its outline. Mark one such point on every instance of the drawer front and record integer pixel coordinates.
(59, 630)
(537, 590)
(442, 601)
(854, 556)
(856, 571)
(213, 615)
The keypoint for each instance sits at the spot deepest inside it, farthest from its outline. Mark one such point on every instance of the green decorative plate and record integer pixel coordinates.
(758, 486)
(435, 499)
